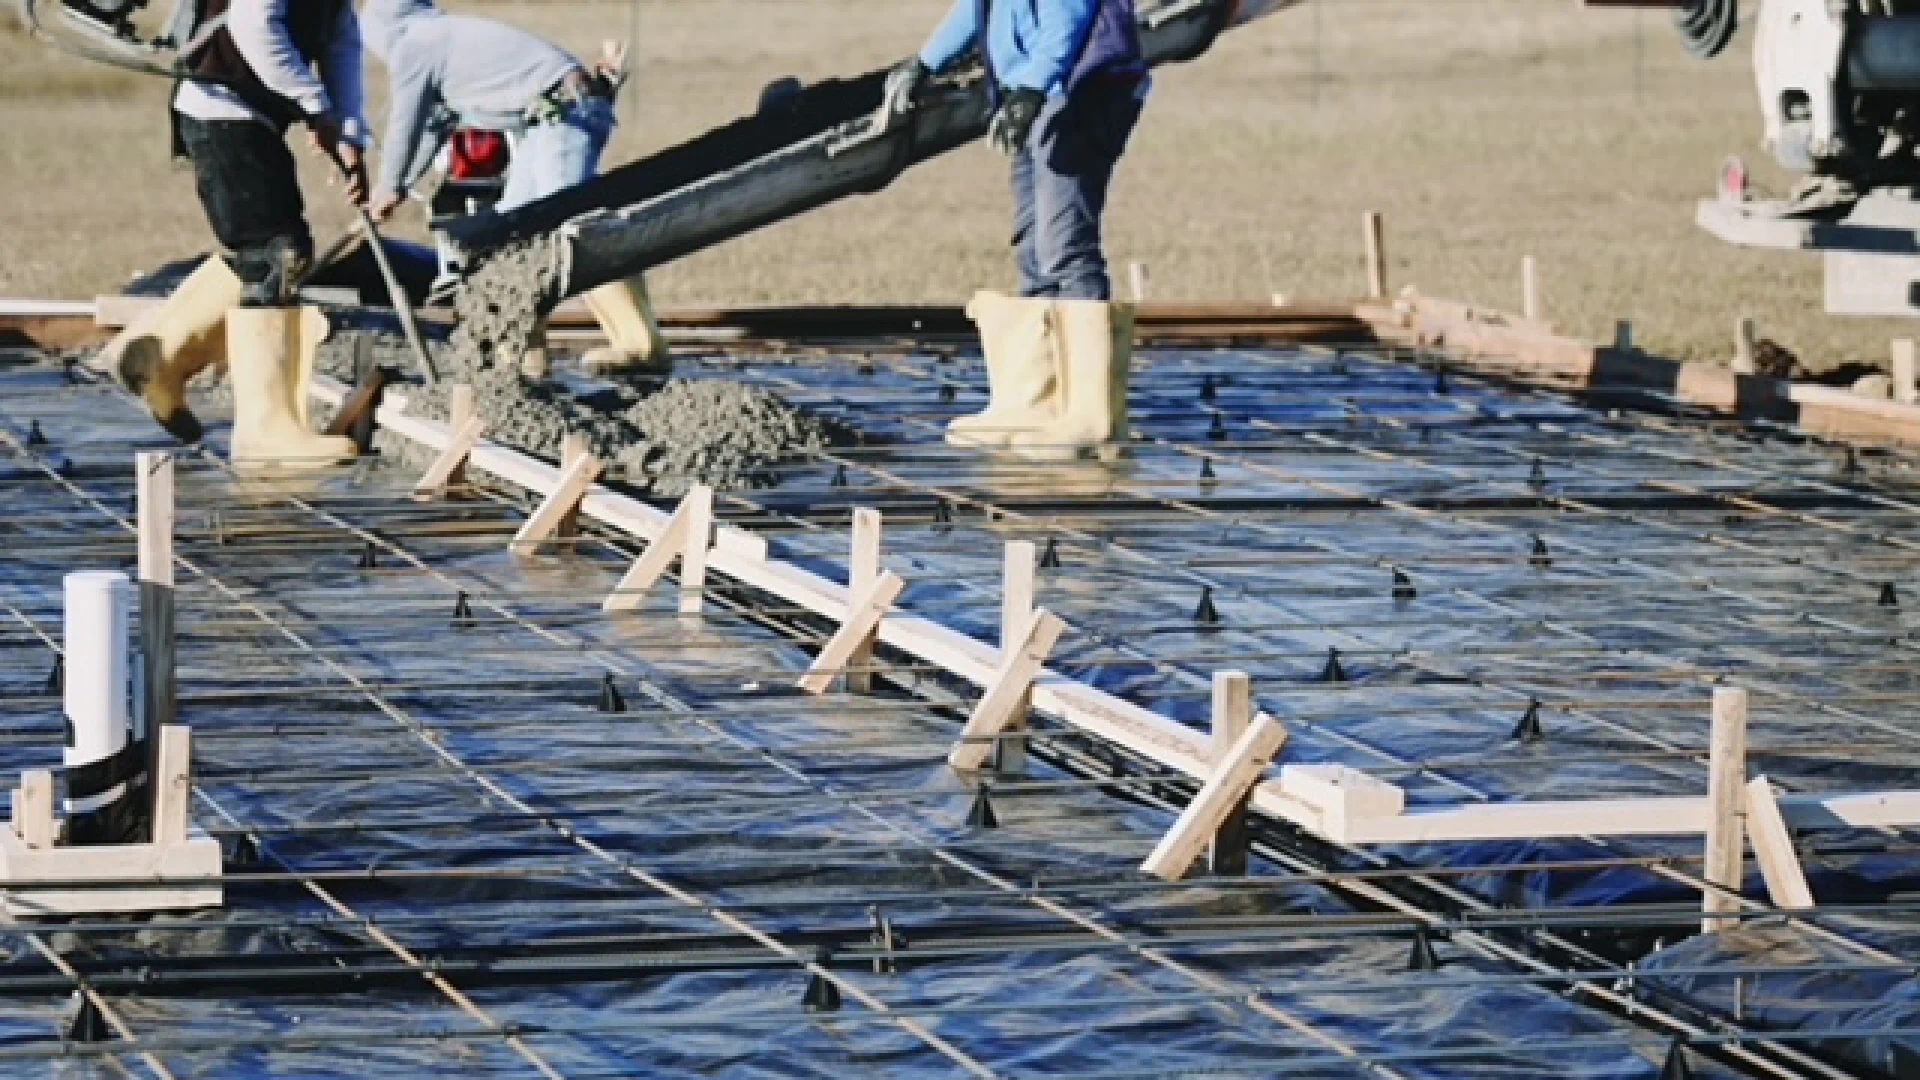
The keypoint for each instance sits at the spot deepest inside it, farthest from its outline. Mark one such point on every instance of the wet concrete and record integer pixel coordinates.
(660, 438)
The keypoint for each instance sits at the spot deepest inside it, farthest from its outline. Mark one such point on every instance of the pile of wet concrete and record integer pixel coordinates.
(659, 436)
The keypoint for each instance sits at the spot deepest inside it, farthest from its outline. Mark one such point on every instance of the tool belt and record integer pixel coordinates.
(574, 88)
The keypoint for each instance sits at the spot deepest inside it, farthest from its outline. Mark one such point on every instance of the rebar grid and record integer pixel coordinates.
(392, 638)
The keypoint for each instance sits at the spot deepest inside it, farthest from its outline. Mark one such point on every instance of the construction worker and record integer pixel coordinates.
(257, 68)
(1067, 80)
(493, 76)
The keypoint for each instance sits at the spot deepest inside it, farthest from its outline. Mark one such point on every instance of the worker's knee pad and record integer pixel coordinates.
(271, 273)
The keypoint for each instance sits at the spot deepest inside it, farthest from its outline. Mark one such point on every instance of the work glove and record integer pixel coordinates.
(903, 86)
(1014, 122)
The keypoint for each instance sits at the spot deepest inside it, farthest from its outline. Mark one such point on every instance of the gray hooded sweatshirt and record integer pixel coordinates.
(484, 72)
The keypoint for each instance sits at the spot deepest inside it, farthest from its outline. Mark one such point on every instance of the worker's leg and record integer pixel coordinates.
(555, 156)
(250, 189)
(1075, 143)
(247, 186)
(559, 153)
(1074, 148)
(1025, 255)
(251, 192)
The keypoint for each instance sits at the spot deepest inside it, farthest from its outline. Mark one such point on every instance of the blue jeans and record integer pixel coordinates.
(1060, 189)
(557, 154)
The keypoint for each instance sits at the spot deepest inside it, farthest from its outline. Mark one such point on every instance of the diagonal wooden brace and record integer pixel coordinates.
(687, 537)
(1773, 848)
(863, 622)
(1008, 691)
(573, 485)
(1225, 787)
(433, 483)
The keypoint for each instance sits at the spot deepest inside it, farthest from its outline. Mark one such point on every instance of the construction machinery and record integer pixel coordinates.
(1838, 83)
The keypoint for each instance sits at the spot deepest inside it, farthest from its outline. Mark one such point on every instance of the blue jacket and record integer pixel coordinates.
(1044, 45)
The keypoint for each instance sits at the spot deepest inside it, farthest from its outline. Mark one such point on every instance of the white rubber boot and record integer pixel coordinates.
(1096, 354)
(634, 341)
(1018, 343)
(269, 359)
(161, 351)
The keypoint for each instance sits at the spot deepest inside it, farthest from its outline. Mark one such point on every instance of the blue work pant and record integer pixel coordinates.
(558, 153)
(1060, 183)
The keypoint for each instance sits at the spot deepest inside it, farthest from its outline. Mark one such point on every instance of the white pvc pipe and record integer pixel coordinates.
(98, 602)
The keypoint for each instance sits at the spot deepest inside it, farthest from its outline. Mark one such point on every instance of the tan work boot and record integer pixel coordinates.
(161, 351)
(1018, 343)
(625, 314)
(269, 360)
(1096, 353)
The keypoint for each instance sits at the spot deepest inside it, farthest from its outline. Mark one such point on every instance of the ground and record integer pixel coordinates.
(1485, 130)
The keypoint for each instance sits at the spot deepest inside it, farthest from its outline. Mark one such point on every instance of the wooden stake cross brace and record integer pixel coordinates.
(1020, 663)
(1235, 770)
(559, 507)
(864, 612)
(687, 537)
(451, 465)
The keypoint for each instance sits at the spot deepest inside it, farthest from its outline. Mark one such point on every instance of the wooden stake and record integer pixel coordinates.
(1529, 289)
(154, 506)
(153, 496)
(566, 496)
(355, 417)
(1017, 573)
(1373, 227)
(460, 411)
(1010, 688)
(863, 619)
(1226, 786)
(863, 566)
(1726, 782)
(683, 539)
(1137, 280)
(572, 448)
(172, 784)
(33, 808)
(1743, 342)
(1905, 372)
(1232, 715)
(1773, 848)
(450, 468)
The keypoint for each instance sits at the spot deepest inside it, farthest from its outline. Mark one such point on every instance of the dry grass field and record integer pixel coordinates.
(1484, 129)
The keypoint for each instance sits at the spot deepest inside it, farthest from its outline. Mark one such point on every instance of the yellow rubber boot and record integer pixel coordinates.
(161, 351)
(537, 363)
(634, 341)
(1017, 341)
(269, 359)
(1096, 354)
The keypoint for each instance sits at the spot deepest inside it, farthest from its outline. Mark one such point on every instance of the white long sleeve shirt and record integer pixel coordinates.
(259, 30)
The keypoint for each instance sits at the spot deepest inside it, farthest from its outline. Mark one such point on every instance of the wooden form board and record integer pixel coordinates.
(1159, 739)
(1507, 346)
